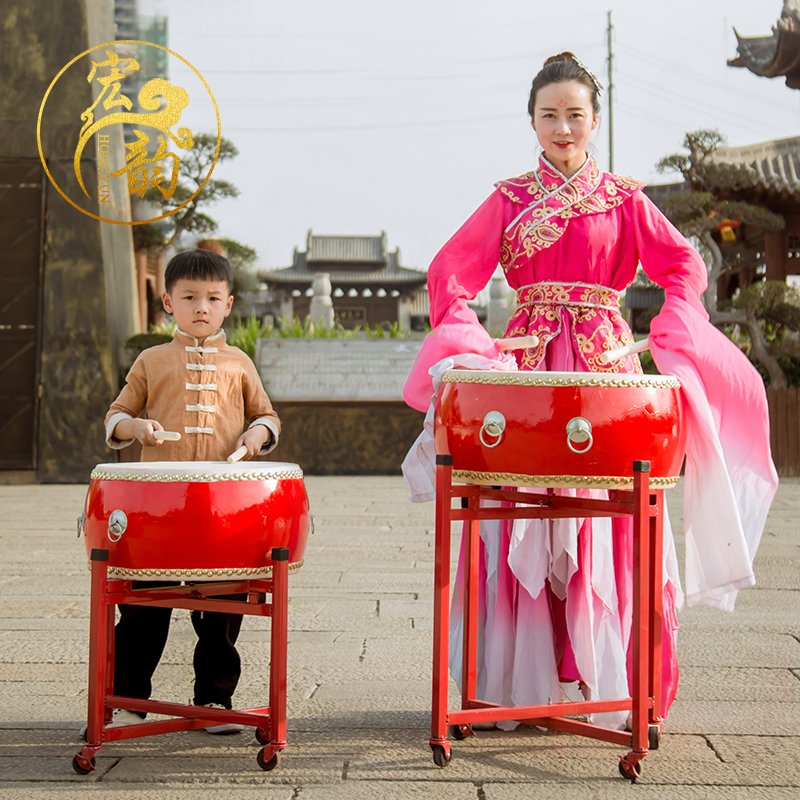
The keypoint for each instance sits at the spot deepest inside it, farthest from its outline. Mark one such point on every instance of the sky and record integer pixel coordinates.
(361, 116)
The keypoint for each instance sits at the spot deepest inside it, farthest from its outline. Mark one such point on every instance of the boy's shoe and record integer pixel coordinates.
(119, 719)
(229, 727)
(122, 717)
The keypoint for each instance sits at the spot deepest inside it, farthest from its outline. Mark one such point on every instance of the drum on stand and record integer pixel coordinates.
(196, 521)
(559, 429)
(498, 431)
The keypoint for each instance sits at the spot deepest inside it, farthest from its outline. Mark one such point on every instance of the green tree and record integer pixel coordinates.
(243, 259)
(765, 310)
(195, 164)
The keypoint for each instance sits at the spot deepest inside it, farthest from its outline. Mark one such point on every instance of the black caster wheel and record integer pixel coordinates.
(637, 771)
(270, 765)
(80, 769)
(262, 737)
(440, 757)
(460, 732)
(653, 737)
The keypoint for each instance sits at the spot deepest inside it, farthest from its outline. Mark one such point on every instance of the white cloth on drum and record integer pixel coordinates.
(419, 465)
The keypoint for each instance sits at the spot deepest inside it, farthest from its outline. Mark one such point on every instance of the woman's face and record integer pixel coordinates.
(563, 120)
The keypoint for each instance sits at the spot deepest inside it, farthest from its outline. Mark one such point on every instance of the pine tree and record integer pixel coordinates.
(767, 311)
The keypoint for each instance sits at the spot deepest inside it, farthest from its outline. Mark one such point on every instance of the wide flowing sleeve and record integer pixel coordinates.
(458, 272)
(730, 479)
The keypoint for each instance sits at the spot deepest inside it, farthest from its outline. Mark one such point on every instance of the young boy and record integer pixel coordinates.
(208, 392)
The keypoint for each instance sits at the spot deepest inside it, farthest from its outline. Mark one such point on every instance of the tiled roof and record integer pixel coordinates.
(775, 55)
(773, 167)
(333, 254)
(361, 249)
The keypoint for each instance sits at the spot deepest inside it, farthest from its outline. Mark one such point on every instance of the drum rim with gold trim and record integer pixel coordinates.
(544, 378)
(196, 471)
(190, 473)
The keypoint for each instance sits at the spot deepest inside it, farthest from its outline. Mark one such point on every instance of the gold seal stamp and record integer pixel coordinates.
(148, 164)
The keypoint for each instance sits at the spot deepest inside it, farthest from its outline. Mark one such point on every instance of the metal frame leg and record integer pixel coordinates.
(640, 630)
(98, 663)
(441, 611)
(656, 613)
(469, 672)
(270, 755)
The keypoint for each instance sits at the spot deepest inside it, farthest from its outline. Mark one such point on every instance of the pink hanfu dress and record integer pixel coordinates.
(556, 597)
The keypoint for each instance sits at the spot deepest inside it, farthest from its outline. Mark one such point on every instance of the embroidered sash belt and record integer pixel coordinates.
(592, 316)
(568, 294)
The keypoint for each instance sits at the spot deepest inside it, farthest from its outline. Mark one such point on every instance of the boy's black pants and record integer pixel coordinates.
(140, 638)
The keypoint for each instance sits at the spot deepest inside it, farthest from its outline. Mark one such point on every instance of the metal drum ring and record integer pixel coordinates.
(579, 430)
(494, 424)
(117, 525)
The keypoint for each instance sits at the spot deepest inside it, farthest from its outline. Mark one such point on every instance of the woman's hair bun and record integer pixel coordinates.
(565, 56)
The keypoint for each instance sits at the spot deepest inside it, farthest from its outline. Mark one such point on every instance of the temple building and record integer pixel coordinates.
(766, 175)
(369, 285)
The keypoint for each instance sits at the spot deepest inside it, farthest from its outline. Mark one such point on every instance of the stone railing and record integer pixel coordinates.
(324, 370)
(340, 402)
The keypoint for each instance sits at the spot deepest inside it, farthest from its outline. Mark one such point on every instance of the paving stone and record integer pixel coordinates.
(733, 717)
(611, 790)
(387, 790)
(705, 646)
(223, 769)
(49, 768)
(80, 789)
(751, 685)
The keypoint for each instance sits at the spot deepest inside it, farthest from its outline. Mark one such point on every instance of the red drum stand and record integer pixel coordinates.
(269, 722)
(645, 506)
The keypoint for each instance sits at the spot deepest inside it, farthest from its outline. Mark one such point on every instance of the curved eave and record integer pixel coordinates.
(772, 56)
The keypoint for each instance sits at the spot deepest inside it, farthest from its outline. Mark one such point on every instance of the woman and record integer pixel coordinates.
(569, 239)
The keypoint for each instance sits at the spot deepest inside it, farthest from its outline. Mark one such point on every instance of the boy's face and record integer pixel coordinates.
(199, 307)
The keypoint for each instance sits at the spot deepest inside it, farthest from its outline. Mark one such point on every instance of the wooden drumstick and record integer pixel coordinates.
(167, 436)
(517, 342)
(236, 455)
(628, 350)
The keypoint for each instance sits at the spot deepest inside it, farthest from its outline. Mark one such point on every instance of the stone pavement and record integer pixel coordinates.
(359, 676)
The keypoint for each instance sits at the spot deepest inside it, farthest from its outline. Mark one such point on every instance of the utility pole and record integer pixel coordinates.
(610, 32)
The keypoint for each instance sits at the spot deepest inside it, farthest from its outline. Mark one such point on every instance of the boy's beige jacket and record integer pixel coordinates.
(208, 394)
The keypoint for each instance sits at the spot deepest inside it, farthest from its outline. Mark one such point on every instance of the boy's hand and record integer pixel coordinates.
(253, 439)
(141, 429)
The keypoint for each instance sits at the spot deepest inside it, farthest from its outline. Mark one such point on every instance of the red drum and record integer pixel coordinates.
(196, 520)
(559, 428)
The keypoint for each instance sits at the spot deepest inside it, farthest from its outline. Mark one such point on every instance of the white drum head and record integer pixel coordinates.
(196, 471)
